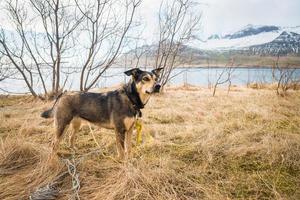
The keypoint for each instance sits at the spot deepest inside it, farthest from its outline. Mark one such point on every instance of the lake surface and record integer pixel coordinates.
(194, 76)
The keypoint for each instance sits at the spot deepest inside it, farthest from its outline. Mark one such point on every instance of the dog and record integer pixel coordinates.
(117, 110)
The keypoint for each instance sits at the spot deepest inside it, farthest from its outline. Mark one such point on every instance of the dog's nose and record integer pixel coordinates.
(156, 88)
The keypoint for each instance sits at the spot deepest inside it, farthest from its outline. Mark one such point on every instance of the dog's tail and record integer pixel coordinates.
(47, 113)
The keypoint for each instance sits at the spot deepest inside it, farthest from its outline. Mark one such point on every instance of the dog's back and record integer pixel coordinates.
(100, 108)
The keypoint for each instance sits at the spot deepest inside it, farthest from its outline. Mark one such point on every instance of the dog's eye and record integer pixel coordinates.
(146, 79)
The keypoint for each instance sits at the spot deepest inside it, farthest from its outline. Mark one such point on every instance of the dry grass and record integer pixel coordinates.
(273, 86)
(242, 146)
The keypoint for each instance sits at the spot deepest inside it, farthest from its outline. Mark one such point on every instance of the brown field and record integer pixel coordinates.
(245, 145)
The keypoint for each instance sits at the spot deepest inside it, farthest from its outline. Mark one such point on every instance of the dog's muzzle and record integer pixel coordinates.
(156, 88)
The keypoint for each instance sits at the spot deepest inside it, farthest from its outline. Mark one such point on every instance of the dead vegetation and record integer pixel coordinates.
(245, 145)
(275, 86)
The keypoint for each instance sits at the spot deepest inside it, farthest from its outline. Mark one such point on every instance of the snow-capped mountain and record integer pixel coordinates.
(260, 40)
(285, 43)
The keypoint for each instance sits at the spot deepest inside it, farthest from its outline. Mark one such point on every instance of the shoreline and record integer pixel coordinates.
(237, 66)
(200, 66)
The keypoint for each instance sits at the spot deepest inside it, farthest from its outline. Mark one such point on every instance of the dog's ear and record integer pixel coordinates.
(157, 71)
(133, 72)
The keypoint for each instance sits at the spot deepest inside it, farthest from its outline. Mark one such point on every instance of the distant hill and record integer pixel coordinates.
(249, 46)
(187, 55)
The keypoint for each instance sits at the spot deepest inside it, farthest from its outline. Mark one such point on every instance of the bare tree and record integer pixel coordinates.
(30, 52)
(64, 26)
(107, 27)
(178, 24)
(224, 77)
(59, 22)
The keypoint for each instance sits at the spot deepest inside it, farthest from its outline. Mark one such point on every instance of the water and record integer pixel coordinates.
(240, 76)
(194, 76)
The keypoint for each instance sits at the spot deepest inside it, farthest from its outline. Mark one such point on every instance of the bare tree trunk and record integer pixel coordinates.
(229, 86)
(208, 75)
(57, 44)
(214, 91)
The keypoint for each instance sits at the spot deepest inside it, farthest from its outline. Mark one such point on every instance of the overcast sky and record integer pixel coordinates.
(222, 16)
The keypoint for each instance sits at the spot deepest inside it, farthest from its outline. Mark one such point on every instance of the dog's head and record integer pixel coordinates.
(145, 82)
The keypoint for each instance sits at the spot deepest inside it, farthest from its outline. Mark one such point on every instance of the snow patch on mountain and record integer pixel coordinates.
(247, 37)
(238, 43)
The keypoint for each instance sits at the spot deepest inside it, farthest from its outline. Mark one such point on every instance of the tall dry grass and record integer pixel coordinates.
(245, 145)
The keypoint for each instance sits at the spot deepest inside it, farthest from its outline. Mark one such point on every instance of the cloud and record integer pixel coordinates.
(227, 15)
(219, 16)
(222, 16)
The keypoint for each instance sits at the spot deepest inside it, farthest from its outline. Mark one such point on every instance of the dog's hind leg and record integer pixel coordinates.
(75, 124)
(62, 120)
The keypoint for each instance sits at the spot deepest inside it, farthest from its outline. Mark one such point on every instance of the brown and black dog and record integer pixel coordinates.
(116, 110)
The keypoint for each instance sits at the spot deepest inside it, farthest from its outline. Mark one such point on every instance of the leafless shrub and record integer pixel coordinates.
(225, 77)
(285, 78)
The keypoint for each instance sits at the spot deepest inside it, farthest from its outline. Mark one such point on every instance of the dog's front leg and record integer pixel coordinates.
(120, 137)
(128, 144)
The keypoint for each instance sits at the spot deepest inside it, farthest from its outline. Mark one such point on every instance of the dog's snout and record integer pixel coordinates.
(157, 88)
